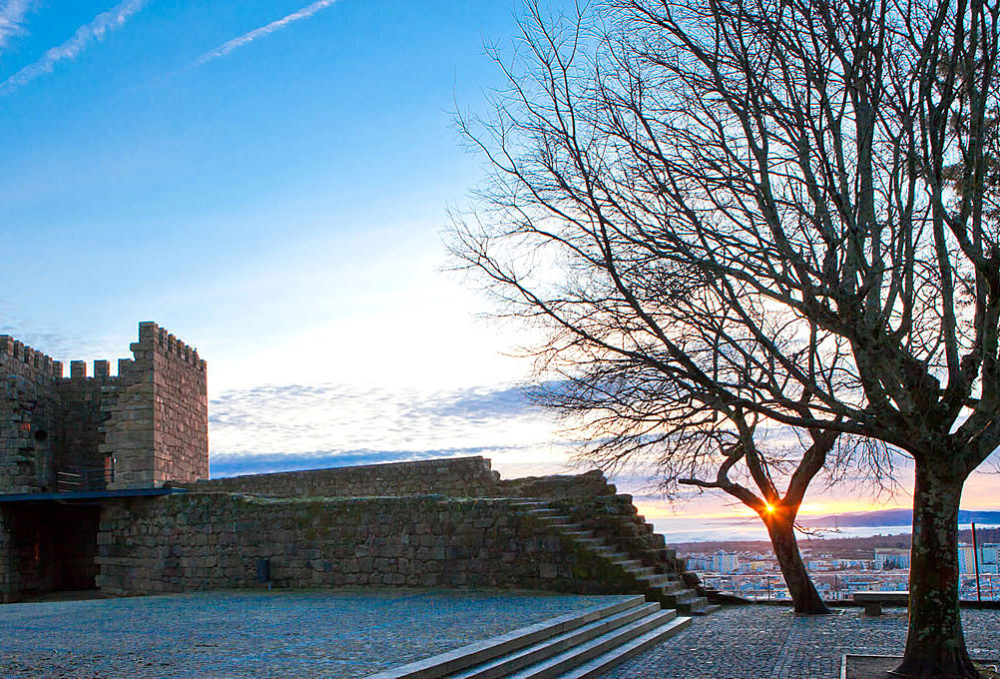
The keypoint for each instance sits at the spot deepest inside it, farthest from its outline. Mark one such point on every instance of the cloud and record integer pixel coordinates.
(297, 418)
(12, 19)
(103, 23)
(270, 28)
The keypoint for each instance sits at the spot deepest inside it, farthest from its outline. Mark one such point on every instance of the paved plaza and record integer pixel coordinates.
(236, 634)
(771, 642)
(350, 634)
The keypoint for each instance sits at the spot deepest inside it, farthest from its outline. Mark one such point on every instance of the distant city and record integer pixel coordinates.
(839, 567)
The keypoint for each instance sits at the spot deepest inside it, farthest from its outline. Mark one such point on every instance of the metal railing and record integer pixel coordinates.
(837, 586)
(79, 478)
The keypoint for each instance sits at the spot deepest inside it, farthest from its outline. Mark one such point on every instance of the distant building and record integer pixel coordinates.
(725, 562)
(698, 563)
(888, 558)
(988, 561)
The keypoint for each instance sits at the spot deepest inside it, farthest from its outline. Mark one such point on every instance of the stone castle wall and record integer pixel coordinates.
(159, 427)
(207, 541)
(456, 477)
(30, 410)
(151, 418)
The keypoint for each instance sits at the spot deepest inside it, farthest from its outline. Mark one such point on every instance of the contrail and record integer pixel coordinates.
(96, 30)
(228, 47)
(12, 19)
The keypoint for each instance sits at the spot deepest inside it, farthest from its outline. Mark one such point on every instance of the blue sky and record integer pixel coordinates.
(269, 181)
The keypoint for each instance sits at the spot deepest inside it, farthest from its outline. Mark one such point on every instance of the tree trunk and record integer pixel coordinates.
(805, 598)
(935, 645)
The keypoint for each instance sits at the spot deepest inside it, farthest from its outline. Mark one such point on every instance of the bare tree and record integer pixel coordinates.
(626, 413)
(778, 207)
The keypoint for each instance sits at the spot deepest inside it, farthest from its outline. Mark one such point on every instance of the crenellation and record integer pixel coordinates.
(125, 366)
(50, 424)
(102, 369)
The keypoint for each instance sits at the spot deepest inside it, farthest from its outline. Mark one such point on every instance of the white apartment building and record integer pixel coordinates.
(988, 561)
(725, 562)
(887, 558)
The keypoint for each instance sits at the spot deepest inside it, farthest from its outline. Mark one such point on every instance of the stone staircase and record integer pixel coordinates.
(647, 566)
(573, 646)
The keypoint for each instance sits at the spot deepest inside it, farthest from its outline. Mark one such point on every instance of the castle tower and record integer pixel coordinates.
(158, 429)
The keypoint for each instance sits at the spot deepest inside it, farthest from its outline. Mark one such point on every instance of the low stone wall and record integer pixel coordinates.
(558, 486)
(455, 477)
(206, 541)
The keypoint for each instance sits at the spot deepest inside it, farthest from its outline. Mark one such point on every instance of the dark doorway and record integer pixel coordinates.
(54, 545)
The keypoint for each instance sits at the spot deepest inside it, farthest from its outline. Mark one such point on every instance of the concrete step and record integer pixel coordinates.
(460, 659)
(511, 663)
(603, 663)
(567, 661)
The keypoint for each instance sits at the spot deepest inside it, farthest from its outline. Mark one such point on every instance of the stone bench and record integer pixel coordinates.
(873, 600)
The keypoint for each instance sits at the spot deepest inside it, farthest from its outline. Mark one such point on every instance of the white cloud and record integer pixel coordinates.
(297, 418)
(12, 19)
(235, 43)
(111, 20)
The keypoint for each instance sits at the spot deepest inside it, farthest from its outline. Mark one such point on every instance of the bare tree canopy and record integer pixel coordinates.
(782, 208)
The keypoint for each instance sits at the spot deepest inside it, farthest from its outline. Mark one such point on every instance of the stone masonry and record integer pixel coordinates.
(149, 520)
(435, 523)
(144, 426)
(455, 477)
(211, 541)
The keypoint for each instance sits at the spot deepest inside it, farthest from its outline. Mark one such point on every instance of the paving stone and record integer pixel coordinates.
(770, 642)
(338, 634)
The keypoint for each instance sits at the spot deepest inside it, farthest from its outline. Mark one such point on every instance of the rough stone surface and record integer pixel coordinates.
(149, 422)
(210, 541)
(346, 634)
(457, 477)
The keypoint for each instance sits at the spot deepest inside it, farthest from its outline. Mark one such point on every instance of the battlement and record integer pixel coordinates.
(144, 426)
(41, 365)
(152, 337)
(35, 360)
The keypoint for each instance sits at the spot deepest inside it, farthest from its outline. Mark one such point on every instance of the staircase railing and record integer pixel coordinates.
(79, 478)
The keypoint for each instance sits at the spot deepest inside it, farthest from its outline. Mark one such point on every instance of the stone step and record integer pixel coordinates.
(547, 514)
(602, 663)
(641, 573)
(702, 607)
(507, 665)
(460, 659)
(627, 564)
(657, 580)
(565, 662)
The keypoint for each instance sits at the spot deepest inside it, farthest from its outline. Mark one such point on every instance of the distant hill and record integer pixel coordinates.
(891, 517)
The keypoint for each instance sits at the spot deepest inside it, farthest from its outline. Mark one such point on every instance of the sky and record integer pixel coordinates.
(270, 181)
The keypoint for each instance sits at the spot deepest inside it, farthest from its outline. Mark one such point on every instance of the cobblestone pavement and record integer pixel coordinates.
(769, 642)
(341, 634)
